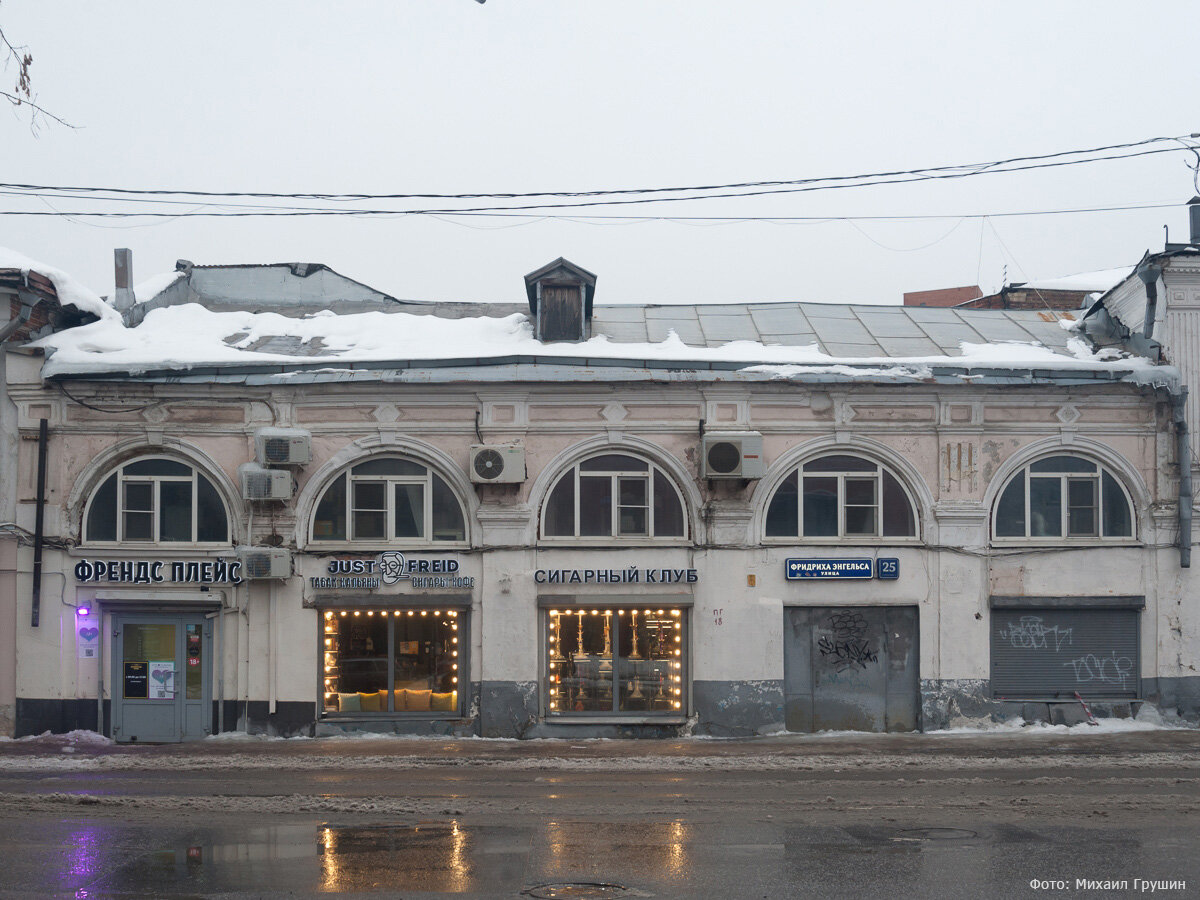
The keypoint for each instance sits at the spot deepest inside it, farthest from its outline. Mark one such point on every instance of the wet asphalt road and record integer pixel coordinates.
(891, 816)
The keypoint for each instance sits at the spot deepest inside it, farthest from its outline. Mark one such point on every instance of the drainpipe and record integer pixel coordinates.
(1149, 274)
(39, 526)
(272, 649)
(16, 322)
(1183, 451)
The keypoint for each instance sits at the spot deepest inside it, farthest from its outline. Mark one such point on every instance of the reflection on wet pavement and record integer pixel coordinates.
(425, 858)
(86, 860)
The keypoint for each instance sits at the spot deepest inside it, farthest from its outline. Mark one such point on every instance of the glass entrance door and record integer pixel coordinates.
(160, 681)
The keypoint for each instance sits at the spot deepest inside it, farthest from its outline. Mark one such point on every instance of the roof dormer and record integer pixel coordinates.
(560, 298)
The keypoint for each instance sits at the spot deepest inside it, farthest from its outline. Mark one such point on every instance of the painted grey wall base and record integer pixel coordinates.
(945, 702)
(1174, 695)
(422, 727)
(35, 716)
(290, 719)
(737, 708)
(507, 709)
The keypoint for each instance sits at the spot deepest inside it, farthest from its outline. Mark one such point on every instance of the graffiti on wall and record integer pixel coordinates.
(848, 648)
(1031, 633)
(1112, 669)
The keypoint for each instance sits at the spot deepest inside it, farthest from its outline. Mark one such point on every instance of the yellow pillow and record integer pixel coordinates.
(447, 702)
(370, 702)
(418, 701)
(399, 700)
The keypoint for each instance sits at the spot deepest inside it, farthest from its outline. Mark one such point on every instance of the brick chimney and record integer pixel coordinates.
(123, 278)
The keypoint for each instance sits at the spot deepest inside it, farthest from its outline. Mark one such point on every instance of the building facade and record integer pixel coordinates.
(570, 520)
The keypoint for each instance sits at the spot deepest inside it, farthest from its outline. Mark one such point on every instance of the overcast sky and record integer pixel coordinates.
(451, 96)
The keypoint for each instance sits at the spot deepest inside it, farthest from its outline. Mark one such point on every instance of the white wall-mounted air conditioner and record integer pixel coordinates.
(260, 483)
(497, 463)
(265, 562)
(733, 454)
(282, 446)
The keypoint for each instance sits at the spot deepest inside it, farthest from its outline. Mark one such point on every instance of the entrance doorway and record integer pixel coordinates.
(161, 677)
(852, 668)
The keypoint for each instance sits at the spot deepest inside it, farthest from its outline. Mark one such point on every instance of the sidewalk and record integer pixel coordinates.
(819, 750)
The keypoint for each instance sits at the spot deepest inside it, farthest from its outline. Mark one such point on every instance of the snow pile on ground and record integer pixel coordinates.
(79, 736)
(70, 292)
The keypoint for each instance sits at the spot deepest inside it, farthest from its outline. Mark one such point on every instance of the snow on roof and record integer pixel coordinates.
(70, 292)
(188, 336)
(155, 285)
(1084, 281)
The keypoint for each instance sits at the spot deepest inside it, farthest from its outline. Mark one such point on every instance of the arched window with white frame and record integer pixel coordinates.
(615, 496)
(838, 496)
(389, 500)
(1063, 497)
(156, 500)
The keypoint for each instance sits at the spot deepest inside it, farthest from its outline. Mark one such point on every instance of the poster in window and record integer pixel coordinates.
(136, 677)
(162, 679)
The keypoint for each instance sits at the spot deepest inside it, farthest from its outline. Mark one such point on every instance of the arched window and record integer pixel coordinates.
(389, 500)
(1063, 498)
(156, 501)
(841, 496)
(614, 495)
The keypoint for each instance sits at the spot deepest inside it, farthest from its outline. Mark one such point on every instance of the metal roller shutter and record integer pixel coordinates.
(1049, 654)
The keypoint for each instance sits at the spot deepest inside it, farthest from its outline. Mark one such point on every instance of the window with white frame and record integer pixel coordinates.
(389, 500)
(840, 496)
(156, 501)
(614, 495)
(1063, 497)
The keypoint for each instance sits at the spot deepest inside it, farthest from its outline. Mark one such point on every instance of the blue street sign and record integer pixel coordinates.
(828, 568)
(887, 569)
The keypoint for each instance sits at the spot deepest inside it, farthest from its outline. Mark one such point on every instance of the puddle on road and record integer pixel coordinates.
(434, 858)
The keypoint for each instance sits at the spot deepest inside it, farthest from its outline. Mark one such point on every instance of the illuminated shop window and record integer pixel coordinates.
(398, 661)
(389, 500)
(616, 660)
(156, 501)
(1063, 498)
(614, 496)
(841, 496)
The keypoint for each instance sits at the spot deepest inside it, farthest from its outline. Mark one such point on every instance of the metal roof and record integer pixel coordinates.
(842, 330)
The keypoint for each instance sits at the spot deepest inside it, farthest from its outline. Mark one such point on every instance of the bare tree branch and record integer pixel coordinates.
(22, 93)
(39, 110)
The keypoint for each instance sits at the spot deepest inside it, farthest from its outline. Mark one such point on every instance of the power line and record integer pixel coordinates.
(584, 219)
(960, 170)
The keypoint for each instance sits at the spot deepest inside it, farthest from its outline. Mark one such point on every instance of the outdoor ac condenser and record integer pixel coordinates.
(733, 454)
(282, 447)
(265, 562)
(497, 464)
(260, 483)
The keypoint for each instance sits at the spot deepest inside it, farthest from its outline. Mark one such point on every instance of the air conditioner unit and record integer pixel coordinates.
(497, 463)
(733, 454)
(259, 483)
(282, 447)
(265, 562)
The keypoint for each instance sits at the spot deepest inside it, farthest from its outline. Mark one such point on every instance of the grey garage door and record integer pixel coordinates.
(1048, 654)
(850, 668)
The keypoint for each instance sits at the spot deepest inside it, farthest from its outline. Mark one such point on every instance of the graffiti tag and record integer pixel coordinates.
(1111, 669)
(1031, 633)
(848, 648)
(847, 654)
